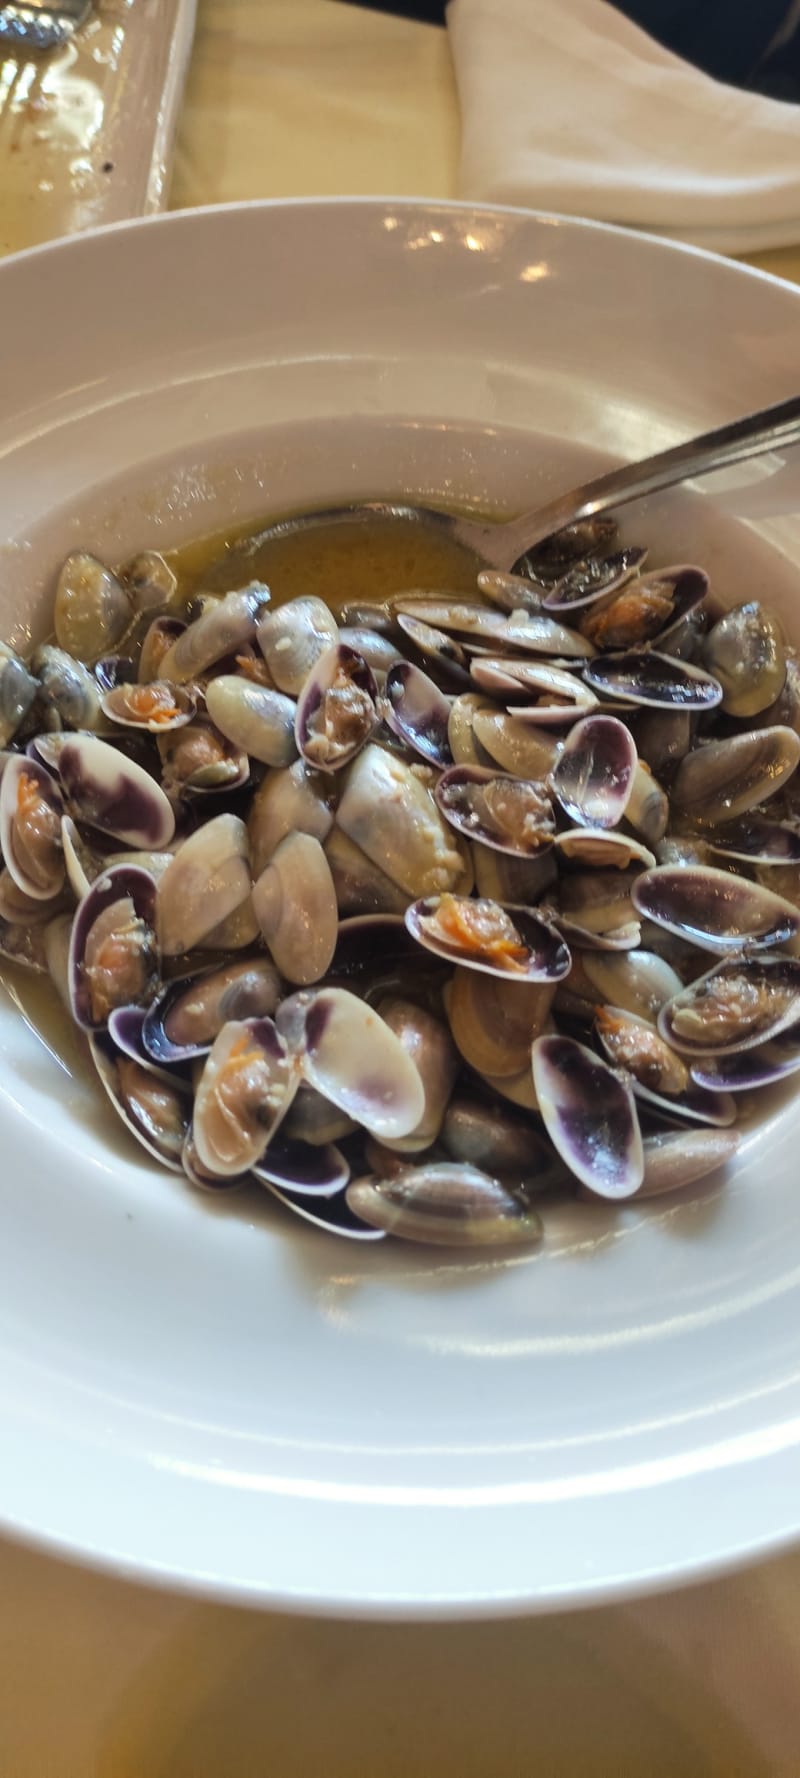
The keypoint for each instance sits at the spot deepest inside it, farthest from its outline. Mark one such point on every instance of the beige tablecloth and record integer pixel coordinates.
(101, 1680)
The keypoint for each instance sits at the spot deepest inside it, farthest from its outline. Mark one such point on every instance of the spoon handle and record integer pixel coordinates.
(772, 429)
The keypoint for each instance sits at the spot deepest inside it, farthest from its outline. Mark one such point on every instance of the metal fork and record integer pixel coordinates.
(40, 24)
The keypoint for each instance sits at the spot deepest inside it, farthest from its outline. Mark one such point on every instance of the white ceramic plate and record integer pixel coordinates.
(203, 1391)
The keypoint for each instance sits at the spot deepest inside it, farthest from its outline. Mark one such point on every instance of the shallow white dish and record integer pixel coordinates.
(205, 1393)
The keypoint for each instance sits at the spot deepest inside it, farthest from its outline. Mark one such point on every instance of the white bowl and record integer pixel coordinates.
(204, 1392)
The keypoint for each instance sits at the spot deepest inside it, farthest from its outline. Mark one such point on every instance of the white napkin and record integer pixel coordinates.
(567, 106)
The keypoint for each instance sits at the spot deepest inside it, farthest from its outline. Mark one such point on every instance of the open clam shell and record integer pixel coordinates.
(742, 1002)
(389, 812)
(658, 1075)
(513, 943)
(188, 1015)
(351, 1056)
(644, 676)
(443, 652)
(153, 707)
(547, 560)
(513, 815)
(445, 1204)
(245, 1089)
(30, 828)
(721, 780)
(594, 774)
(596, 578)
(603, 848)
(590, 1116)
(714, 909)
(292, 639)
(336, 709)
(92, 608)
(756, 840)
(331, 1214)
(418, 713)
(645, 607)
(530, 632)
(153, 1106)
(311, 1171)
(758, 1067)
(158, 639)
(534, 691)
(511, 592)
(108, 791)
(113, 955)
(222, 629)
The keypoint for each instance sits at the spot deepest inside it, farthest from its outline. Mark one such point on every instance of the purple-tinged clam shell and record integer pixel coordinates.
(310, 1171)
(333, 1215)
(714, 909)
(658, 1075)
(602, 848)
(742, 1002)
(756, 840)
(530, 632)
(512, 815)
(643, 676)
(246, 1087)
(534, 691)
(722, 780)
(336, 709)
(353, 1058)
(110, 792)
(30, 828)
(590, 1116)
(445, 1204)
(158, 640)
(418, 713)
(510, 942)
(153, 1106)
(113, 955)
(226, 626)
(759, 1067)
(594, 579)
(451, 660)
(594, 774)
(185, 1019)
(651, 605)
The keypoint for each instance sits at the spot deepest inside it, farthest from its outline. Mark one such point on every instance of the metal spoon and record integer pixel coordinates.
(501, 545)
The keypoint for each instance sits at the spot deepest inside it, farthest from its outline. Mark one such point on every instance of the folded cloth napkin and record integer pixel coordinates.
(568, 106)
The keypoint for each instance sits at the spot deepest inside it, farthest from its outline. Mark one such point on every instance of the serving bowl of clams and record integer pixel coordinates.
(401, 954)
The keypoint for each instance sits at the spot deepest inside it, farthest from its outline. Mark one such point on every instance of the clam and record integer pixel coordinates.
(187, 1016)
(675, 1158)
(297, 1167)
(245, 1089)
(158, 640)
(18, 689)
(55, 941)
(17, 908)
(512, 815)
(236, 931)
(589, 1115)
(293, 799)
(427, 1041)
(501, 1143)
(663, 737)
(113, 956)
(292, 640)
(69, 693)
(218, 633)
(721, 780)
(294, 901)
(598, 847)
(257, 720)
(742, 1002)
(465, 749)
(351, 1056)
(93, 609)
(197, 760)
(514, 944)
(746, 652)
(519, 747)
(418, 713)
(379, 652)
(108, 791)
(502, 876)
(534, 691)
(153, 707)
(207, 880)
(445, 1204)
(494, 1022)
(387, 810)
(658, 1075)
(440, 650)
(597, 578)
(531, 632)
(30, 828)
(336, 709)
(594, 908)
(25, 945)
(331, 1214)
(149, 580)
(584, 537)
(756, 840)
(511, 592)
(314, 1120)
(643, 676)
(714, 908)
(645, 607)
(594, 774)
(636, 981)
(647, 808)
(762, 1066)
(153, 1106)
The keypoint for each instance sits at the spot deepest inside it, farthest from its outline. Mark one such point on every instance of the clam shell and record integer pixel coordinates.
(388, 811)
(418, 713)
(724, 779)
(207, 879)
(112, 793)
(187, 1016)
(657, 1075)
(245, 1089)
(512, 815)
(713, 908)
(597, 578)
(254, 718)
(336, 709)
(153, 1106)
(333, 1215)
(758, 1067)
(512, 943)
(676, 1158)
(590, 1117)
(594, 774)
(153, 707)
(557, 697)
(427, 1041)
(353, 1058)
(746, 651)
(123, 883)
(596, 846)
(530, 632)
(643, 676)
(742, 1002)
(298, 1167)
(757, 840)
(445, 1204)
(294, 901)
(30, 828)
(293, 638)
(92, 609)
(224, 628)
